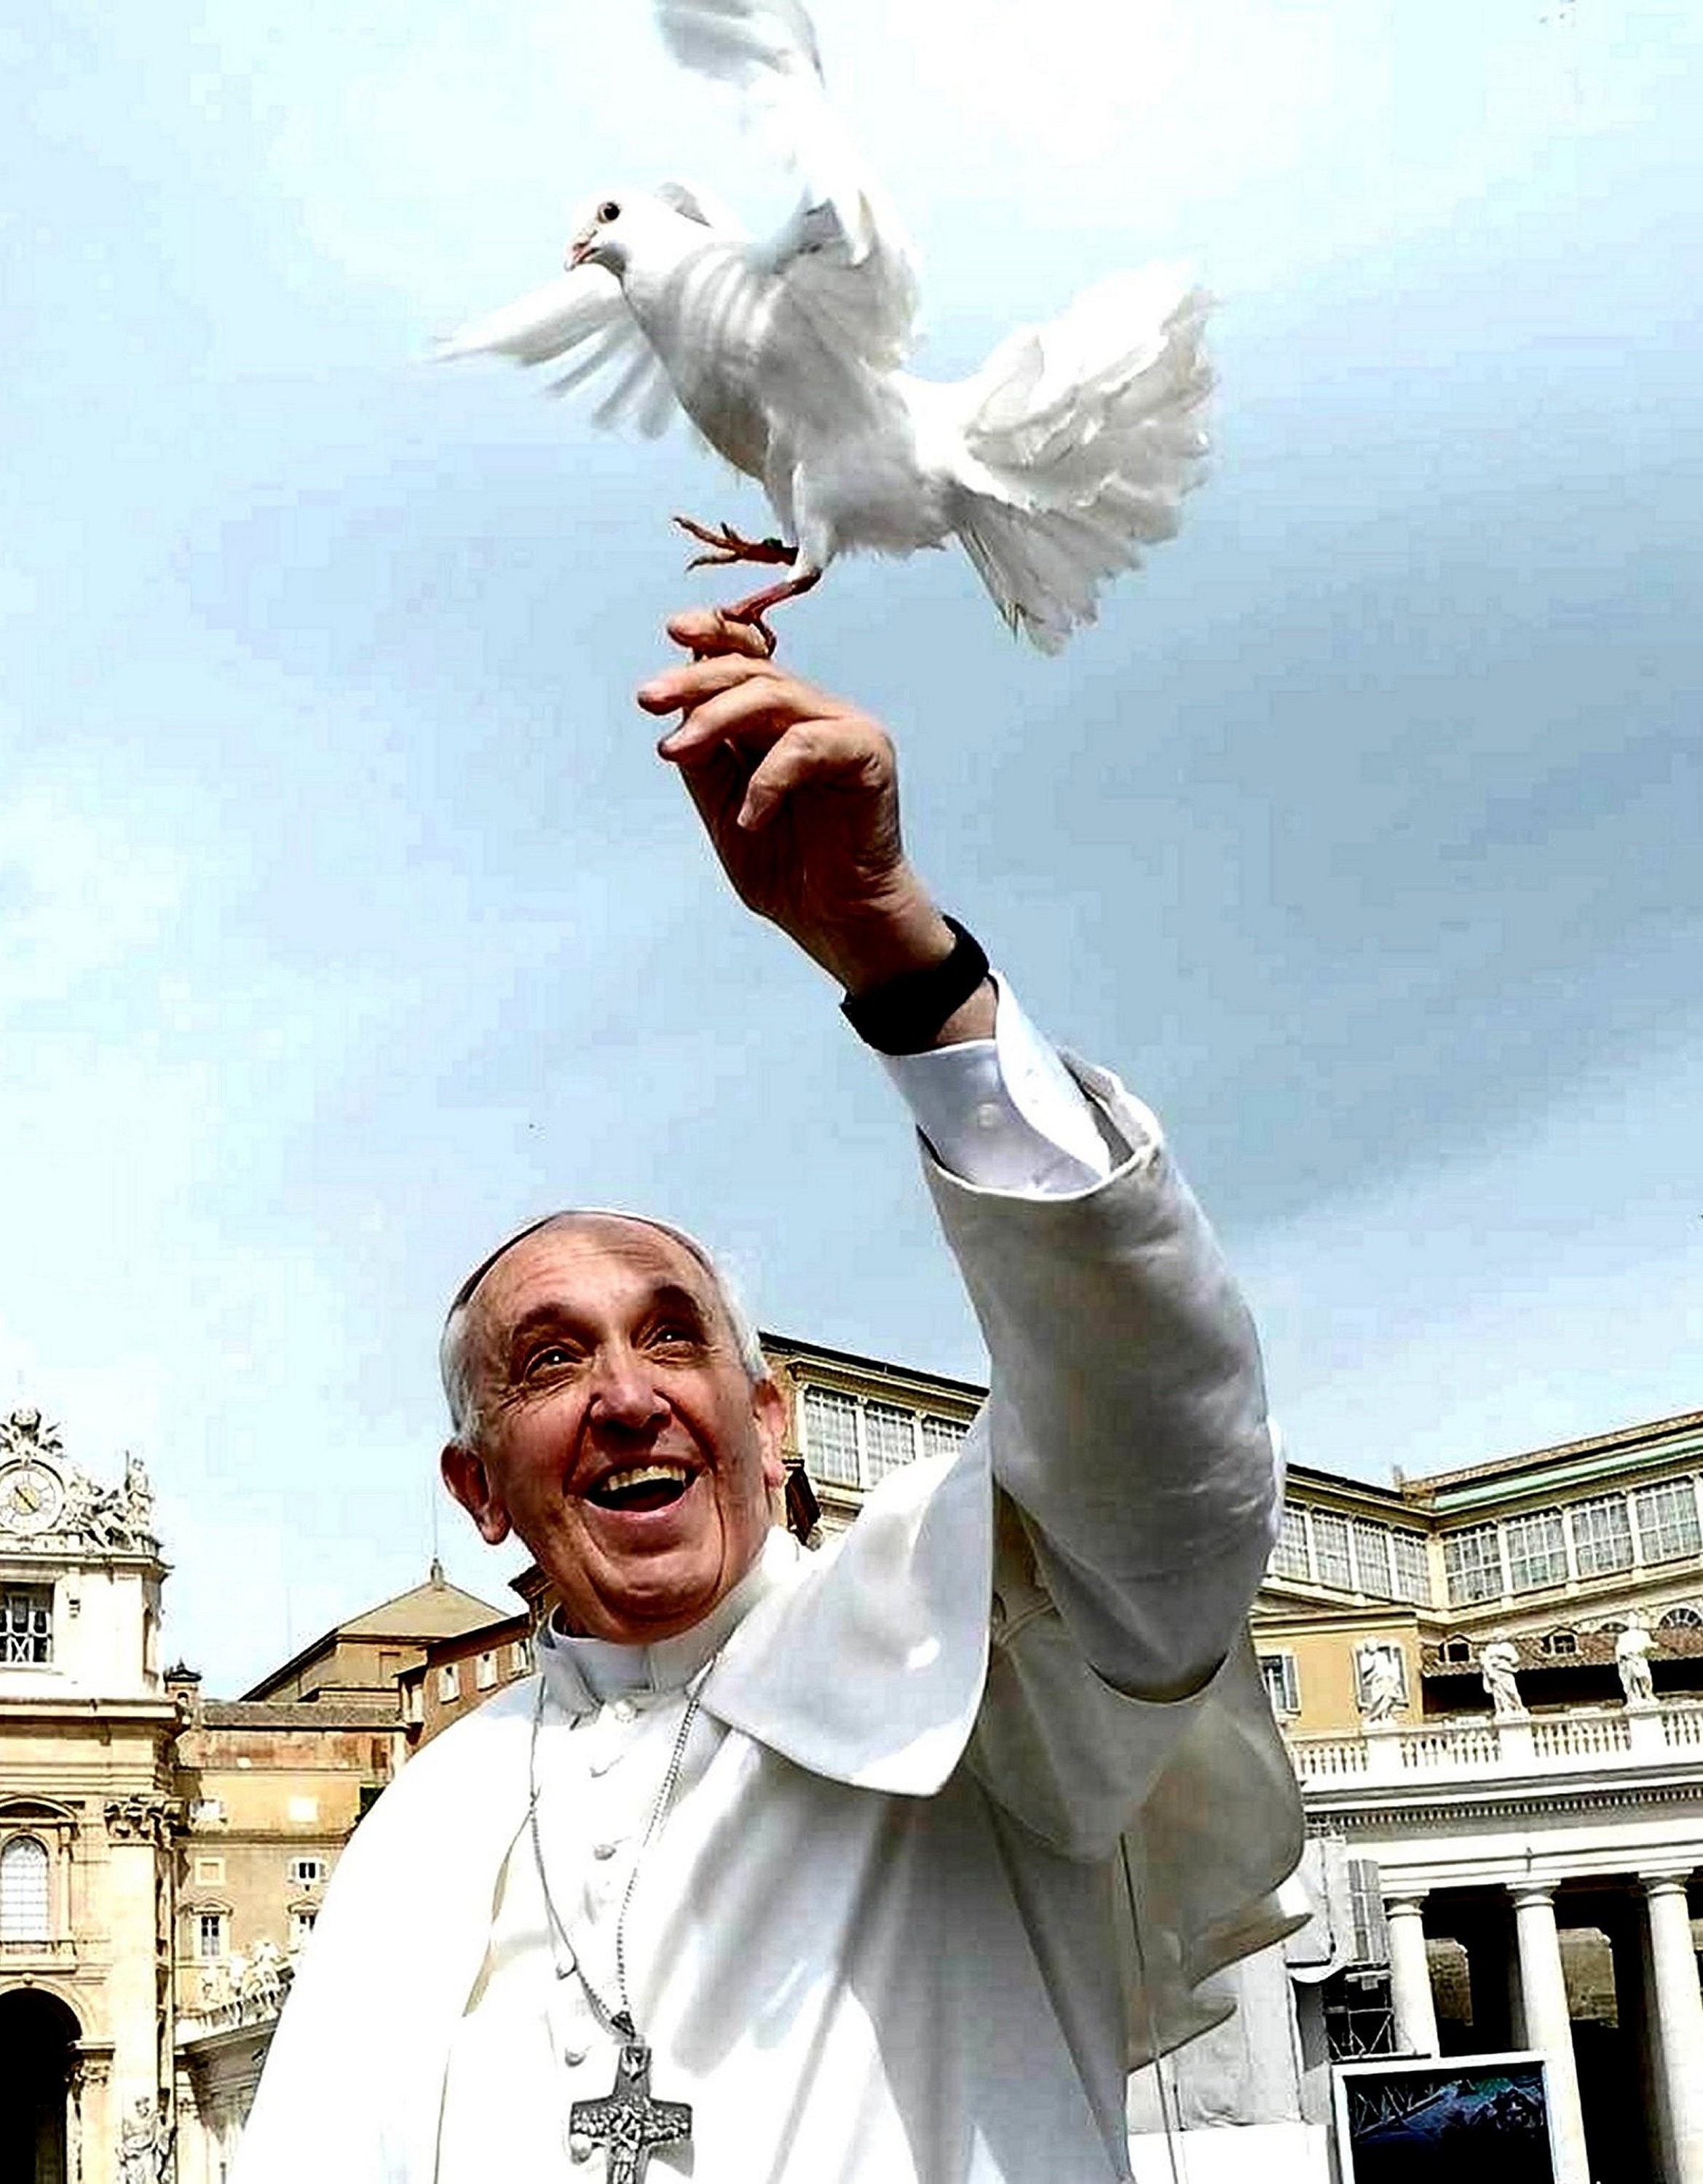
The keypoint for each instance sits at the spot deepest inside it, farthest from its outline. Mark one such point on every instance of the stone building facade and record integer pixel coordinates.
(1492, 1681)
(87, 1818)
(162, 1856)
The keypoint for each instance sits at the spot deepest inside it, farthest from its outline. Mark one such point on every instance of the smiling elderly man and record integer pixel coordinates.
(616, 1418)
(879, 1865)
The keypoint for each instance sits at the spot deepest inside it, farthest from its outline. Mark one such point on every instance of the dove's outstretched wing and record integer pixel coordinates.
(842, 256)
(582, 314)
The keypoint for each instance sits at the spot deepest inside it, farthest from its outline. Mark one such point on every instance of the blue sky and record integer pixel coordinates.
(346, 918)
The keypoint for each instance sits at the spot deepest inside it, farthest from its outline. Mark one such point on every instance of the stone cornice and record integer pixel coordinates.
(1531, 1796)
(31, 1708)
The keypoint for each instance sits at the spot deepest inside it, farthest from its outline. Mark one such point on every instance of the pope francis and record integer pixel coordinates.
(882, 1865)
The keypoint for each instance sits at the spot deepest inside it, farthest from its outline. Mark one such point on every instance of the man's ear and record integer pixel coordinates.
(768, 1408)
(466, 1478)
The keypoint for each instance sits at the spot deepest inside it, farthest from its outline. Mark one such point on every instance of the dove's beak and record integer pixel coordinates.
(579, 250)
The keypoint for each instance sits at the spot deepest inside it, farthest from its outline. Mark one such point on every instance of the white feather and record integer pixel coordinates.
(1055, 465)
(583, 311)
(767, 50)
(1083, 435)
(545, 322)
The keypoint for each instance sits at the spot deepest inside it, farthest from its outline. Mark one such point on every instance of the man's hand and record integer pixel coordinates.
(799, 793)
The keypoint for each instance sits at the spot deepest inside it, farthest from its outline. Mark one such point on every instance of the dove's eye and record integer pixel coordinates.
(608, 210)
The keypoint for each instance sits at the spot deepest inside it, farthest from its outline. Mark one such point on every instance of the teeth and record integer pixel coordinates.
(645, 1475)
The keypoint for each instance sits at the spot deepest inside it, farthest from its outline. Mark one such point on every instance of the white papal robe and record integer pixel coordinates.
(929, 1883)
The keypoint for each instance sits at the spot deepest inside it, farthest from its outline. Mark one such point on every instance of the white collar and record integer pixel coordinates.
(581, 1674)
(863, 1662)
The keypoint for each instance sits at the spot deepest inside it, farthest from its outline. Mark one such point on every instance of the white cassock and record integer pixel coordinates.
(934, 1876)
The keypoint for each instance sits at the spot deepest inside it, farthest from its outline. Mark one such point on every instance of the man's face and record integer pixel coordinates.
(621, 1435)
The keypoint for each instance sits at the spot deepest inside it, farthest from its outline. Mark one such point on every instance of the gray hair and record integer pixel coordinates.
(455, 1366)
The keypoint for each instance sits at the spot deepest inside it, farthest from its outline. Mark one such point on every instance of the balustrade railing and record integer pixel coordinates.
(1581, 1735)
(1446, 1751)
(1330, 1756)
(1582, 1738)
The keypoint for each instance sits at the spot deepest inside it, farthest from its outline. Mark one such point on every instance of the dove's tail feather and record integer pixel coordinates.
(1081, 438)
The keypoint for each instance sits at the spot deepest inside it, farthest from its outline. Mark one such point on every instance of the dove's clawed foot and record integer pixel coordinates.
(751, 611)
(727, 547)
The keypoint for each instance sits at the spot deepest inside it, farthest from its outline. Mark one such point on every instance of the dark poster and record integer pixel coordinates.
(1470, 2119)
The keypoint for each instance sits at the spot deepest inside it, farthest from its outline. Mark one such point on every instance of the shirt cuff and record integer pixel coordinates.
(1004, 1113)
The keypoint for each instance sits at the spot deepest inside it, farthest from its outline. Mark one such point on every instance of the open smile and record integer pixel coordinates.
(641, 1488)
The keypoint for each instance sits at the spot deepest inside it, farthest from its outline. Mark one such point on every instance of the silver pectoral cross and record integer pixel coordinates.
(628, 2121)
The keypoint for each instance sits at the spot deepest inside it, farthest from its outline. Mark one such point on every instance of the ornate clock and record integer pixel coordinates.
(31, 1496)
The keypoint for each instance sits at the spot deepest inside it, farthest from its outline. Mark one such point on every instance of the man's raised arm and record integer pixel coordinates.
(1127, 1413)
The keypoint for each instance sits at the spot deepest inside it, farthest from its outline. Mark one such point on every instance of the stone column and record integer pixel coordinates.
(1410, 1976)
(1549, 2025)
(1678, 2011)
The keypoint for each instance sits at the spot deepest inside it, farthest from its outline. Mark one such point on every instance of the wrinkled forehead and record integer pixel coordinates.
(617, 1228)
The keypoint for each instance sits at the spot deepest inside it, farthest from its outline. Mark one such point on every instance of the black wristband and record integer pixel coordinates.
(905, 1015)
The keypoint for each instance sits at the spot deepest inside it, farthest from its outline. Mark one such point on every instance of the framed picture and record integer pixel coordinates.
(1444, 2120)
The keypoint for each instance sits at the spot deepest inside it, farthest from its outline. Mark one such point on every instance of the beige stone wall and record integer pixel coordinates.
(94, 1786)
(1323, 1652)
(260, 1797)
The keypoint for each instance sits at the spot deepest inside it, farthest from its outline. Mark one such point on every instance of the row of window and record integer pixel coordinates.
(485, 1670)
(212, 1812)
(25, 1894)
(213, 1932)
(1319, 1547)
(26, 1626)
(856, 1440)
(302, 1872)
(1563, 1645)
(1658, 1524)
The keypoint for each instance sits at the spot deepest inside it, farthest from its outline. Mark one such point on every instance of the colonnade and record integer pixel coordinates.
(1520, 1999)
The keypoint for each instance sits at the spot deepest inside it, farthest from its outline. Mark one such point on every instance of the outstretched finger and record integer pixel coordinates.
(754, 713)
(682, 687)
(708, 630)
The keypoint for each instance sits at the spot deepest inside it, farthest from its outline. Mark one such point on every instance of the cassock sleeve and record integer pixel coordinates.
(1138, 1477)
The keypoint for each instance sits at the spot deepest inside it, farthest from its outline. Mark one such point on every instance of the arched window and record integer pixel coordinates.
(1682, 1618)
(24, 1901)
(1559, 1644)
(1456, 1651)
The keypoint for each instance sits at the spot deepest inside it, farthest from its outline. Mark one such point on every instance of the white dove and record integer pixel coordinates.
(1066, 454)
